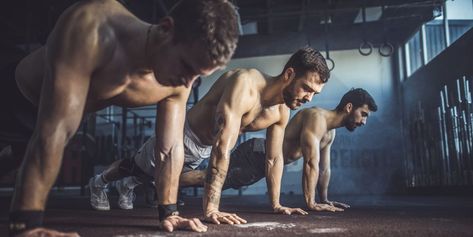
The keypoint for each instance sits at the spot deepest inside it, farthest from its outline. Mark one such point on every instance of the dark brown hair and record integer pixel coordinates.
(357, 97)
(308, 59)
(213, 22)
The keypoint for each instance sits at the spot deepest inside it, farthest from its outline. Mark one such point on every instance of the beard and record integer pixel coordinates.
(350, 124)
(289, 99)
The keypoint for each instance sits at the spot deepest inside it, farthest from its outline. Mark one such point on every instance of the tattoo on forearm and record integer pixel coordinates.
(214, 198)
(214, 177)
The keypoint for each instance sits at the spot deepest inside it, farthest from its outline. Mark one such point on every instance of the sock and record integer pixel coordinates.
(132, 182)
(100, 180)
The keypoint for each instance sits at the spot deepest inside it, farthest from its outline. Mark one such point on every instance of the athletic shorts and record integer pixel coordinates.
(247, 164)
(194, 153)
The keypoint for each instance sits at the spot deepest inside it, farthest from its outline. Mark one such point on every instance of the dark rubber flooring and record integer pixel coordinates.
(368, 216)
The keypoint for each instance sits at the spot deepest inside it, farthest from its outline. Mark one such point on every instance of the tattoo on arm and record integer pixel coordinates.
(213, 176)
(214, 197)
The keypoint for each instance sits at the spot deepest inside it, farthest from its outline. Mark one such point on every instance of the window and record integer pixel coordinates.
(413, 52)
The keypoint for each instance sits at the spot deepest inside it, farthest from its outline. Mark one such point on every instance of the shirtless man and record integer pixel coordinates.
(99, 54)
(309, 134)
(240, 100)
(247, 100)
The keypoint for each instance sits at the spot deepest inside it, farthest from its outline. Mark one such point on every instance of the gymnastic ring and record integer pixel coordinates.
(331, 62)
(364, 45)
(389, 47)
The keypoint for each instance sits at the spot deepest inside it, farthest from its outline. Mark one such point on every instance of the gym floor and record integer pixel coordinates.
(368, 216)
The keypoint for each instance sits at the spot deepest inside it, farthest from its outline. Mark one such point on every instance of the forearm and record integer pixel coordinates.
(309, 182)
(216, 174)
(323, 185)
(274, 170)
(38, 172)
(168, 168)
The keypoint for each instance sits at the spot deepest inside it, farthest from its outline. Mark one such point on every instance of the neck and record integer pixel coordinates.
(272, 93)
(335, 119)
(139, 47)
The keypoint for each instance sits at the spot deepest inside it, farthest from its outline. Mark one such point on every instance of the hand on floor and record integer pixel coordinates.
(289, 210)
(172, 223)
(324, 207)
(218, 217)
(336, 204)
(42, 232)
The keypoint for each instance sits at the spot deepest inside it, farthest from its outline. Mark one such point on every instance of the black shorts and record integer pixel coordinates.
(247, 164)
(18, 117)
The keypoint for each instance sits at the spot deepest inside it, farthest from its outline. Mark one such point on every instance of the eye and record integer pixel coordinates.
(308, 89)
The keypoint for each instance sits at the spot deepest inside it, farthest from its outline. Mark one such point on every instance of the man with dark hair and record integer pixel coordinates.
(240, 100)
(97, 55)
(309, 134)
(253, 101)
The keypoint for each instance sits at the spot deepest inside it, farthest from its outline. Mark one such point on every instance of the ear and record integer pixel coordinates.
(289, 75)
(166, 26)
(348, 107)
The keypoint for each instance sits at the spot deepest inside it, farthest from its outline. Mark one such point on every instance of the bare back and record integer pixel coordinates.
(292, 139)
(113, 80)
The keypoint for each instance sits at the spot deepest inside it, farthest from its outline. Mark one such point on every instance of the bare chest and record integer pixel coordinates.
(115, 86)
(260, 119)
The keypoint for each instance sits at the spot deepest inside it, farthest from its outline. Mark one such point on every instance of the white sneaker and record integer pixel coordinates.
(127, 196)
(98, 196)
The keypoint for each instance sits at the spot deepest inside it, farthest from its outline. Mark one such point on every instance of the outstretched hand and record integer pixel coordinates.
(289, 210)
(172, 223)
(336, 204)
(218, 217)
(43, 232)
(324, 207)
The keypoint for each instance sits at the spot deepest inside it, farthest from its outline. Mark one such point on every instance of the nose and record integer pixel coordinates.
(308, 97)
(363, 121)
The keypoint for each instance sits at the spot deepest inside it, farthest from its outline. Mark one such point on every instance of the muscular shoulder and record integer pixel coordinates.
(284, 114)
(83, 30)
(315, 115)
(315, 120)
(243, 83)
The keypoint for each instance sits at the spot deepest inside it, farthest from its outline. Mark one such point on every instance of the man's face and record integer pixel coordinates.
(357, 118)
(179, 64)
(302, 89)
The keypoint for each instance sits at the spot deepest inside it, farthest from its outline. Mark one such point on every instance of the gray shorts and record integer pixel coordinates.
(194, 153)
(247, 164)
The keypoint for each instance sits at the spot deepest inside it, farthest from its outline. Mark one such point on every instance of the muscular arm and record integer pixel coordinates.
(324, 176)
(169, 149)
(275, 163)
(72, 54)
(312, 132)
(274, 159)
(310, 143)
(234, 103)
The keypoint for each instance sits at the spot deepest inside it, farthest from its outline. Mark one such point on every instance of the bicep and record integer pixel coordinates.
(310, 144)
(229, 113)
(275, 135)
(325, 152)
(73, 52)
(325, 157)
(170, 119)
(62, 103)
